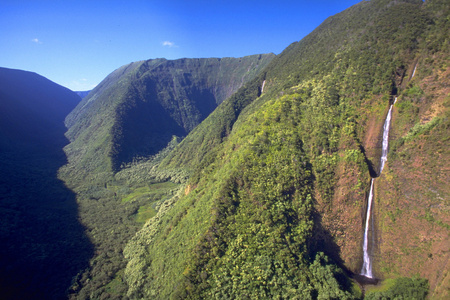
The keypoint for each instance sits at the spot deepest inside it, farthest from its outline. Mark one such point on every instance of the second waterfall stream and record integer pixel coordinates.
(367, 260)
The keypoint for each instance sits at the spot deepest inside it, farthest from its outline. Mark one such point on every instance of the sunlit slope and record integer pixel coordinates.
(137, 110)
(280, 175)
(412, 211)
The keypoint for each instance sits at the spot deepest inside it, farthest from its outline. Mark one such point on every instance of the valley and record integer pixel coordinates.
(260, 177)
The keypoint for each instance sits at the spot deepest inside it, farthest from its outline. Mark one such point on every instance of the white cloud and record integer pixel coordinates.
(169, 44)
(36, 40)
(81, 84)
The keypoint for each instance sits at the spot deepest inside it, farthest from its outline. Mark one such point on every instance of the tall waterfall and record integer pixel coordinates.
(414, 72)
(384, 150)
(367, 263)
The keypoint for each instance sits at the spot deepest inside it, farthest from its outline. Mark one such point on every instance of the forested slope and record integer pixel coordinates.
(237, 178)
(137, 109)
(274, 206)
(120, 131)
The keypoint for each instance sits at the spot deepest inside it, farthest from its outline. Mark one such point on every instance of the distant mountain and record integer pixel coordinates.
(32, 107)
(240, 178)
(82, 94)
(39, 225)
(137, 109)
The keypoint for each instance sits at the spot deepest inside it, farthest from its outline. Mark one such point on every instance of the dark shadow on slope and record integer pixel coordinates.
(369, 163)
(43, 244)
(323, 241)
(147, 123)
(144, 130)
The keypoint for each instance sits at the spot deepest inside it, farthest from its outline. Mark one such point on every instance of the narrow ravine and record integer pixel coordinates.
(366, 269)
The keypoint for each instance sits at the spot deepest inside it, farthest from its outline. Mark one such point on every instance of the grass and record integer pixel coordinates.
(144, 213)
(149, 191)
(153, 193)
(399, 288)
(116, 285)
(142, 191)
(381, 287)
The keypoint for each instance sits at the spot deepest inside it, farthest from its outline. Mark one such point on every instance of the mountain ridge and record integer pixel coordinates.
(248, 177)
(40, 229)
(159, 94)
(332, 98)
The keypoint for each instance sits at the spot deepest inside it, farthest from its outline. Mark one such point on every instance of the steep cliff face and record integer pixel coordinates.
(411, 213)
(301, 153)
(412, 195)
(137, 110)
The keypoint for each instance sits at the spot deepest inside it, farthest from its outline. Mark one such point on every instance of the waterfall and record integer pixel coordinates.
(414, 72)
(384, 150)
(367, 263)
(262, 87)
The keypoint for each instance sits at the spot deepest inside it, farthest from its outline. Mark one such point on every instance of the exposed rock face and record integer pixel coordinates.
(412, 208)
(340, 96)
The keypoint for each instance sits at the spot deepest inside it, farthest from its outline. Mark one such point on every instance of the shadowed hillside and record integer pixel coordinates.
(43, 245)
(247, 178)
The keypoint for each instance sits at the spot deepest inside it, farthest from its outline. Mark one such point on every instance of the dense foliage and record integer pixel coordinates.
(247, 227)
(256, 205)
(120, 133)
(402, 288)
(265, 196)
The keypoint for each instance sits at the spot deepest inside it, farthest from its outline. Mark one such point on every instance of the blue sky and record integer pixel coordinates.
(78, 43)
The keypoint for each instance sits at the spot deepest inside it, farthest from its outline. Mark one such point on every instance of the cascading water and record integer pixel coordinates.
(414, 72)
(384, 149)
(367, 263)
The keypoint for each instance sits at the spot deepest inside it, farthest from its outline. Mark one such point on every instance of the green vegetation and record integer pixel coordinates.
(257, 163)
(264, 197)
(255, 204)
(241, 189)
(400, 288)
(135, 112)
(139, 192)
(145, 213)
(419, 129)
(120, 134)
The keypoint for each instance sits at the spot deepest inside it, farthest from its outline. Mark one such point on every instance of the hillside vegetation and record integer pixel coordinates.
(136, 111)
(278, 180)
(120, 131)
(240, 178)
